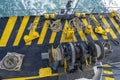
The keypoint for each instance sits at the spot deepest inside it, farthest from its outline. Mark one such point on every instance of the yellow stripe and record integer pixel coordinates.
(55, 74)
(8, 30)
(82, 35)
(44, 31)
(35, 23)
(21, 30)
(106, 65)
(108, 78)
(114, 23)
(24, 78)
(108, 26)
(53, 36)
(43, 72)
(92, 32)
(104, 36)
(63, 34)
(52, 39)
(107, 72)
(32, 77)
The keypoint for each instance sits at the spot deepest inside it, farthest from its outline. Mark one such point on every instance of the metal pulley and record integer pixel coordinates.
(80, 55)
(90, 54)
(55, 56)
(65, 55)
(75, 54)
(100, 50)
(70, 56)
(80, 52)
(95, 50)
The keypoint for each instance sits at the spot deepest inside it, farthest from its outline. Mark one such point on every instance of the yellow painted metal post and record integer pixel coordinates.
(35, 23)
(93, 17)
(63, 34)
(7, 31)
(94, 37)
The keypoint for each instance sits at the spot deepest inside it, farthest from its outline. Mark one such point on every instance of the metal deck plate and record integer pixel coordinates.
(14, 28)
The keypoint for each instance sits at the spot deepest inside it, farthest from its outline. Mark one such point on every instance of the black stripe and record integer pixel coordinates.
(78, 37)
(88, 36)
(116, 20)
(47, 78)
(108, 75)
(3, 23)
(14, 31)
(102, 24)
(59, 34)
(100, 38)
(48, 35)
(26, 31)
(39, 29)
(108, 68)
(112, 26)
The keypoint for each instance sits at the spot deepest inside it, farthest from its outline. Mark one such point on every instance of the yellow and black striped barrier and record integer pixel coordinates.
(14, 28)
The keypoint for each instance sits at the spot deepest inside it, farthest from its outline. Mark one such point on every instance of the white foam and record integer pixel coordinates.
(113, 4)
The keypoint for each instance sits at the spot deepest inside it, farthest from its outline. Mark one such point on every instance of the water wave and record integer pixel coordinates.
(38, 7)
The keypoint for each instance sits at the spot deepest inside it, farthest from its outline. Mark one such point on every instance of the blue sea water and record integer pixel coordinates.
(38, 7)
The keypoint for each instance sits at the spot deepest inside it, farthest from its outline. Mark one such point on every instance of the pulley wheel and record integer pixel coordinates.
(70, 56)
(80, 52)
(62, 54)
(100, 50)
(92, 49)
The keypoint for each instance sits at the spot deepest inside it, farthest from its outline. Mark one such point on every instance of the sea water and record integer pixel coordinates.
(38, 7)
